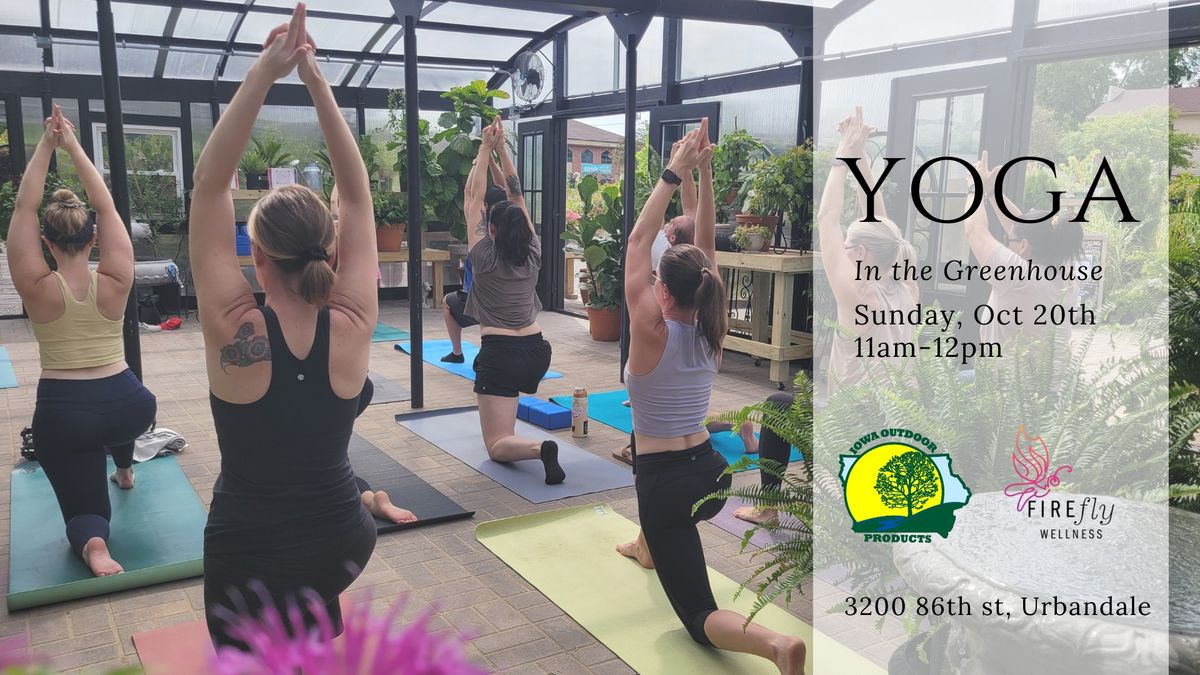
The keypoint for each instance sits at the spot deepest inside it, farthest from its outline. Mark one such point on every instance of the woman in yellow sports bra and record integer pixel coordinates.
(88, 401)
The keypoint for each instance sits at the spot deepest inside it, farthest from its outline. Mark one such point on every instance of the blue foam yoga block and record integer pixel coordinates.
(524, 404)
(549, 416)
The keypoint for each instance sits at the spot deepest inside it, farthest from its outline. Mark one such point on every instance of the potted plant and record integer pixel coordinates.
(435, 188)
(255, 168)
(391, 214)
(752, 237)
(596, 235)
(731, 157)
(472, 101)
(779, 188)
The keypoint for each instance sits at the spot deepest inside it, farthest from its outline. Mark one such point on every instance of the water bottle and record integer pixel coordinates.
(579, 413)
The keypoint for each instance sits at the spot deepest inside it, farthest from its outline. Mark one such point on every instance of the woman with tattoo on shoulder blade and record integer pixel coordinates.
(287, 379)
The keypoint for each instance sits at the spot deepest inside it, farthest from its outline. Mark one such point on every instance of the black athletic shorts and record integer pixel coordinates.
(509, 364)
(456, 302)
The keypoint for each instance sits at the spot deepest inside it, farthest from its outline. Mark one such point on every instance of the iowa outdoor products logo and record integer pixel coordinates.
(899, 489)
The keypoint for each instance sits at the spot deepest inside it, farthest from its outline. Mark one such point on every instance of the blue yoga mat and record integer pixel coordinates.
(8, 376)
(386, 333)
(607, 407)
(434, 350)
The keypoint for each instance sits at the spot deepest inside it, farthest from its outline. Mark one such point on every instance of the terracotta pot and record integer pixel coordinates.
(584, 295)
(604, 324)
(390, 238)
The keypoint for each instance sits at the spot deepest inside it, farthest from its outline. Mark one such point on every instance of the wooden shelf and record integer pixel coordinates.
(788, 262)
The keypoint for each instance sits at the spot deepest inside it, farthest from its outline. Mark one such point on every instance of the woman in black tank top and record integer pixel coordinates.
(286, 380)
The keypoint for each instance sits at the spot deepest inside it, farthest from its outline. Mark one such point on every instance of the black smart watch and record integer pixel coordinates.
(671, 177)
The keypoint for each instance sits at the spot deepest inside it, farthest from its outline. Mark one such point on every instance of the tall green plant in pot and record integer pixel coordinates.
(731, 159)
(471, 102)
(780, 189)
(432, 178)
(597, 236)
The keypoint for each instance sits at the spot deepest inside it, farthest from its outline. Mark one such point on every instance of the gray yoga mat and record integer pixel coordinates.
(737, 527)
(456, 430)
(387, 391)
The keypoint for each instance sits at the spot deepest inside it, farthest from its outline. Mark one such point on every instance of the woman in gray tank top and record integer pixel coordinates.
(506, 255)
(677, 323)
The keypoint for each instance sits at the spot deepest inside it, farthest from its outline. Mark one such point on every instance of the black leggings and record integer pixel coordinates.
(771, 446)
(668, 484)
(74, 423)
(245, 584)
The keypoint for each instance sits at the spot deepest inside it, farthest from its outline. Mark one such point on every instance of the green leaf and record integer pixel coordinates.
(594, 256)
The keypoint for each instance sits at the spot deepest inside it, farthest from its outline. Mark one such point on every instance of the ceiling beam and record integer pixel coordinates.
(160, 65)
(230, 37)
(253, 48)
(397, 17)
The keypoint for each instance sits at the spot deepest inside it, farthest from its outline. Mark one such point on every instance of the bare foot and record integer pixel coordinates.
(382, 507)
(748, 438)
(633, 549)
(751, 514)
(95, 554)
(123, 478)
(789, 655)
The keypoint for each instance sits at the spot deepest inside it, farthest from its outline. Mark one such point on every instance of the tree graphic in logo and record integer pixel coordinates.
(908, 481)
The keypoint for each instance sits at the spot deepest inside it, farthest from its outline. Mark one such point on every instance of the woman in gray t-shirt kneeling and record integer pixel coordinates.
(506, 256)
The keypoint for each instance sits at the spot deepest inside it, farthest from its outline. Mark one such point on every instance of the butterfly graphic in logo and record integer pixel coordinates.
(1031, 461)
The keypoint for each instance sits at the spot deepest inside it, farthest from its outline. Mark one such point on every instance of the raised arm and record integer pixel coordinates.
(116, 249)
(639, 292)
(355, 286)
(494, 169)
(979, 236)
(512, 183)
(839, 268)
(706, 208)
(475, 190)
(25, 261)
(222, 292)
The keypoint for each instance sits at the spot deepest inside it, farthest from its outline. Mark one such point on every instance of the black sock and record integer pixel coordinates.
(554, 472)
(453, 358)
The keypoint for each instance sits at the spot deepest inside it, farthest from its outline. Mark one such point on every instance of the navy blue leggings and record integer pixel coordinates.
(74, 423)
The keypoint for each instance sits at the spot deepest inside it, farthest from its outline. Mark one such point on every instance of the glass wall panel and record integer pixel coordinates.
(20, 52)
(482, 15)
(938, 19)
(7, 168)
(467, 45)
(1055, 10)
(160, 108)
(711, 48)
(202, 125)
(771, 115)
(363, 7)
(190, 65)
(199, 23)
(592, 60)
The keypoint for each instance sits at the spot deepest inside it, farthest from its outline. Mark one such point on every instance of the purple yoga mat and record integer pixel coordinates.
(737, 527)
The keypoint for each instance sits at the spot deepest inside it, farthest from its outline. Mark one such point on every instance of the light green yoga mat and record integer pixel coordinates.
(157, 536)
(568, 555)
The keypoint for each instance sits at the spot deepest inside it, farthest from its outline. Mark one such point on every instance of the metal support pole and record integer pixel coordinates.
(416, 290)
(628, 191)
(116, 163)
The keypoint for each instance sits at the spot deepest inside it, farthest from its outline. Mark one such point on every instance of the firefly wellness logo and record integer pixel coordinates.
(1069, 517)
(900, 489)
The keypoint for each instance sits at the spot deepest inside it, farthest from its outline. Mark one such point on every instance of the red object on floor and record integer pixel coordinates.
(183, 648)
(171, 323)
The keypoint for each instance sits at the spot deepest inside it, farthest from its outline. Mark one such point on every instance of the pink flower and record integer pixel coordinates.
(572, 216)
(369, 645)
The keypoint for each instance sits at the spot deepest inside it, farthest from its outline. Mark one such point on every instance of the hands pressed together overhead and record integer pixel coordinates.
(289, 47)
(59, 132)
(854, 134)
(692, 151)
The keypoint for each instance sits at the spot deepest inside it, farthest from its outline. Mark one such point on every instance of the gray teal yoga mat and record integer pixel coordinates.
(456, 430)
(157, 535)
(405, 488)
(387, 391)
